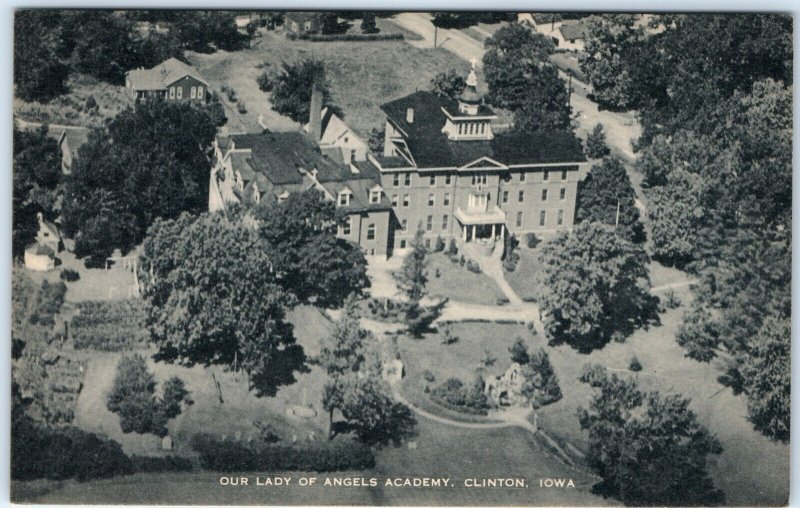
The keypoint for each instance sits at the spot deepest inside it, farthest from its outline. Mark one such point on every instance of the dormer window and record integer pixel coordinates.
(375, 196)
(344, 198)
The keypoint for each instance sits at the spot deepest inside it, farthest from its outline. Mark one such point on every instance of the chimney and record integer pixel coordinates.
(410, 115)
(315, 114)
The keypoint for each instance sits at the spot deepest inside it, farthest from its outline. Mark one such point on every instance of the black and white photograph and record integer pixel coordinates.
(400, 258)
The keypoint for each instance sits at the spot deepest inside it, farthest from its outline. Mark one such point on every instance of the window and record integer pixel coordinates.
(371, 232)
(256, 195)
(542, 217)
(352, 155)
(478, 179)
(193, 92)
(344, 198)
(444, 222)
(433, 180)
(519, 219)
(521, 196)
(346, 227)
(396, 180)
(447, 180)
(564, 174)
(172, 92)
(404, 224)
(408, 180)
(505, 196)
(180, 92)
(375, 196)
(429, 223)
(307, 25)
(546, 176)
(560, 217)
(562, 194)
(295, 26)
(200, 92)
(522, 177)
(405, 200)
(446, 198)
(431, 199)
(402, 244)
(427, 243)
(544, 194)
(394, 200)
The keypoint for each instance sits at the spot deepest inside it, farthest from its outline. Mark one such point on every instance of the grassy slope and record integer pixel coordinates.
(459, 284)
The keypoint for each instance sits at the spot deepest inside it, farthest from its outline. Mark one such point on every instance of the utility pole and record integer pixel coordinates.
(435, 34)
(616, 221)
(569, 95)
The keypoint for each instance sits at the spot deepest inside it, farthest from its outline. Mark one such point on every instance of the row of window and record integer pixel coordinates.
(562, 194)
(476, 179)
(472, 128)
(196, 92)
(344, 229)
(542, 218)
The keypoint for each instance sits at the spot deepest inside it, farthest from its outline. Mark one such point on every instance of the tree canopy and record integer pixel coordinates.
(213, 299)
(607, 196)
(152, 161)
(291, 92)
(300, 236)
(649, 449)
(36, 178)
(521, 79)
(448, 84)
(594, 287)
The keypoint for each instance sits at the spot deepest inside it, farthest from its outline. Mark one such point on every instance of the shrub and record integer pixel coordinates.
(428, 376)
(449, 337)
(91, 103)
(541, 386)
(596, 147)
(241, 108)
(264, 81)
(461, 260)
(452, 248)
(49, 300)
(672, 300)
(531, 240)
(473, 267)
(69, 275)
(502, 300)
(634, 365)
(488, 358)
(233, 456)
(510, 254)
(519, 352)
(439, 245)
(452, 394)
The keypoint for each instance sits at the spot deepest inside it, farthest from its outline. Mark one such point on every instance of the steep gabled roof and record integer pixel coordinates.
(162, 75)
(572, 30)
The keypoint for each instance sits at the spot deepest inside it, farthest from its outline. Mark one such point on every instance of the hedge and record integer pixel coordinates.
(235, 456)
(345, 37)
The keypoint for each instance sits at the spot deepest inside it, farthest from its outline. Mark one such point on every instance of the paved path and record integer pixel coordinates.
(674, 285)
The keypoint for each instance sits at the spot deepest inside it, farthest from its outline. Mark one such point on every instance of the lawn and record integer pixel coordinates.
(459, 360)
(522, 279)
(71, 108)
(459, 284)
(233, 417)
(363, 75)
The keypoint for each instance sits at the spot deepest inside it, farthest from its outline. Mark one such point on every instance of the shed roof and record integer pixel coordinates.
(162, 75)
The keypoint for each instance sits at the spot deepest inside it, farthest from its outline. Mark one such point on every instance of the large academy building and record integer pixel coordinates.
(443, 169)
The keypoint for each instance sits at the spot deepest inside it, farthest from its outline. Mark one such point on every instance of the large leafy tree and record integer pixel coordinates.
(594, 287)
(151, 162)
(374, 415)
(205, 31)
(291, 92)
(448, 84)
(649, 449)
(213, 299)
(300, 235)
(39, 72)
(607, 196)
(36, 178)
(520, 79)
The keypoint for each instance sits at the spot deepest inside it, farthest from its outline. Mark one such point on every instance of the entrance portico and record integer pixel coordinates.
(481, 225)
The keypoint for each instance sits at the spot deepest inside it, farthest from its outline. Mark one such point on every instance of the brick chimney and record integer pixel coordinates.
(410, 115)
(315, 114)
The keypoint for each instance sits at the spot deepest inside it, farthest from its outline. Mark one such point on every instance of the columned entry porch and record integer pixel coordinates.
(481, 232)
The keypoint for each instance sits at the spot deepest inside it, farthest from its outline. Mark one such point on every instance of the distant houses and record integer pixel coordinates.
(302, 22)
(170, 80)
(40, 256)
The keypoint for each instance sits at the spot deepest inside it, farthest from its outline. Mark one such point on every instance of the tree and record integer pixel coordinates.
(521, 79)
(413, 275)
(519, 352)
(609, 38)
(330, 23)
(448, 84)
(39, 73)
(342, 354)
(151, 162)
(102, 46)
(300, 235)
(368, 25)
(594, 287)
(376, 139)
(419, 318)
(205, 31)
(291, 93)
(648, 449)
(607, 196)
(212, 299)
(36, 178)
(133, 396)
(376, 418)
(541, 384)
(596, 146)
